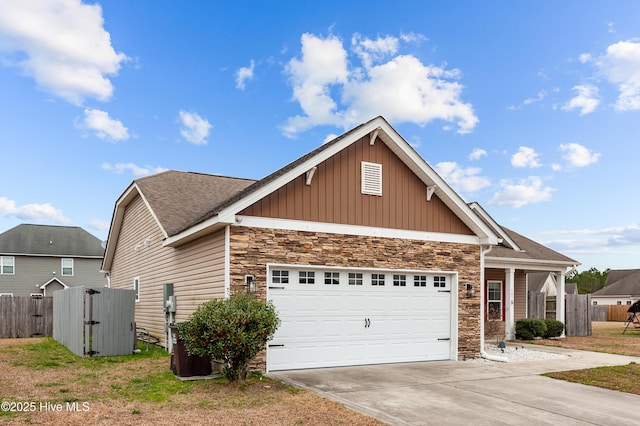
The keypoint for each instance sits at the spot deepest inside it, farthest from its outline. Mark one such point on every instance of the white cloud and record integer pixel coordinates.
(376, 50)
(195, 129)
(62, 44)
(586, 99)
(37, 213)
(578, 155)
(620, 65)
(521, 193)
(477, 154)
(244, 74)
(136, 170)
(99, 224)
(104, 126)
(401, 88)
(525, 157)
(462, 179)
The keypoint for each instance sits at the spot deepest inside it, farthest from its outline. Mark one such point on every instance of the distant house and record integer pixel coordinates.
(37, 260)
(621, 288)
(368, 255)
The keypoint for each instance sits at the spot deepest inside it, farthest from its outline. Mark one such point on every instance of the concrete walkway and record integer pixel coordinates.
(468, 393)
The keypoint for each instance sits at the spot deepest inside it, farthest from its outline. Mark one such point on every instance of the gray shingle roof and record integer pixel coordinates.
(536, 280)
(622, 282)
(50, 240)
(530, 250)
(179, 199)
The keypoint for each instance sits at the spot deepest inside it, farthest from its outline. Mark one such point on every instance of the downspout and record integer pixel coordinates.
(483, 354)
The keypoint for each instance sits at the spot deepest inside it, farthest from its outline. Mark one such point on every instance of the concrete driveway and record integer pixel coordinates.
(468, 393)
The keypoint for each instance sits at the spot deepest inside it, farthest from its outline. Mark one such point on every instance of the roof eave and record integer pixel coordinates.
(529, 264)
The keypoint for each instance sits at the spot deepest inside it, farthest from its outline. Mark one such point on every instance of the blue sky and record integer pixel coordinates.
(531, 109)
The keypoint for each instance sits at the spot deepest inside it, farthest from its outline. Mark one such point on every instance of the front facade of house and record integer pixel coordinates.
(366, 253)
(40, 259)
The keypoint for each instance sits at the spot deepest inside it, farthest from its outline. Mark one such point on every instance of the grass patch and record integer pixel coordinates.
(623, 378)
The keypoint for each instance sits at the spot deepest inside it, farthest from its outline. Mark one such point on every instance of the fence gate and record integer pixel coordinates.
(95, 321)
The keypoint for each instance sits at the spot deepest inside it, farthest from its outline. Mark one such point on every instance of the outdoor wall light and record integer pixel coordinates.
(251, 283)
(470, 291)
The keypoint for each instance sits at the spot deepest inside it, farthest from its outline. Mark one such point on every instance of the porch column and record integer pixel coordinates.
(509, 326)
(560, 299)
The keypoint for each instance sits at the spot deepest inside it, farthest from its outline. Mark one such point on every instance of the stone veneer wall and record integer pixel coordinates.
(251, 249)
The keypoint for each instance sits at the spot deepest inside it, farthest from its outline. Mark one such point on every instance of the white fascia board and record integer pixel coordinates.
(199, 230)
(528, 264)
(118, 216)
(477, 208)
(365, 231)
(43, 286)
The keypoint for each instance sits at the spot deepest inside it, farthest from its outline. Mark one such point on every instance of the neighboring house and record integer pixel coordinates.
(368, 255)
(546, 283)
(621, 288)
(37, 260)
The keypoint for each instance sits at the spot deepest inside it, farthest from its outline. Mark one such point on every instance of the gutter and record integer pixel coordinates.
(483, 354)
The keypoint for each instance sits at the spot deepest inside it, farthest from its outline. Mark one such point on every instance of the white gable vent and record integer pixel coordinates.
(371, 178)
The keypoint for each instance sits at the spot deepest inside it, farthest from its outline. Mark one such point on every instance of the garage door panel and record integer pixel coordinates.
(334, 325)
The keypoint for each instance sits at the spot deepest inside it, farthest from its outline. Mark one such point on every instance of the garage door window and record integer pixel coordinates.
(355, 278)
(377, 279)
(306, 277)
(399, 280)
(279, 277)
(419, 280)
(332, 278)
(439, 281)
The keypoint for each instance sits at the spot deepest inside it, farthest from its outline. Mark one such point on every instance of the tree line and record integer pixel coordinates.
(588, 281)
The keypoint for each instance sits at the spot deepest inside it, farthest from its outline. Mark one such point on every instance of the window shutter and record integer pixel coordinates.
(371, 178)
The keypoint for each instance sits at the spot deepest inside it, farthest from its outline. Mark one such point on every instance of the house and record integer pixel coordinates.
(368, 255)
(40, 259)
(621, 288)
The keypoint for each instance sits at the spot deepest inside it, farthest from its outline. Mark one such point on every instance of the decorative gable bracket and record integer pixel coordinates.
(373, 136)
(310, 173)
(430, 190)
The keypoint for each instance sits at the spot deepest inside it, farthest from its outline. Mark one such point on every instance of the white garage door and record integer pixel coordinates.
(354, 316)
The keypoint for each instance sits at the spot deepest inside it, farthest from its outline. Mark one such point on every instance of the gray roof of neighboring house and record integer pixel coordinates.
(571, 288)
(536, 280)
(50, 240)
(178, 199)
(622, 282)
(529, 250)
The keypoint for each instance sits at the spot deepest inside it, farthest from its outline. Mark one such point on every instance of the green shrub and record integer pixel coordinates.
(231, 330)
(555, 328)
(528, 328)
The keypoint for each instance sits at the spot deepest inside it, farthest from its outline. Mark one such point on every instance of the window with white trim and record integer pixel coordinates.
(306, 277)
(494, 300)
(8, 265)
(419, 280)
(6, 294)
(332, 278)
(377, 279)
(67, 267)
(355, 278)
(399, 280)
(371, 178)
(136, 288)
(279, 276)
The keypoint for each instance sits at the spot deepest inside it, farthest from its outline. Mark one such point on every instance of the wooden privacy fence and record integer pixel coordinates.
(577, 312)
(95, 321)
(25, 316)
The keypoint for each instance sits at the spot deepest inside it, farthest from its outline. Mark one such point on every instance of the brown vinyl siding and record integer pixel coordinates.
(334, 195)
(196, 269)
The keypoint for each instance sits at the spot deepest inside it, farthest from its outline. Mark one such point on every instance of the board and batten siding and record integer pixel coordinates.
(335, 195)
(195, 269)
